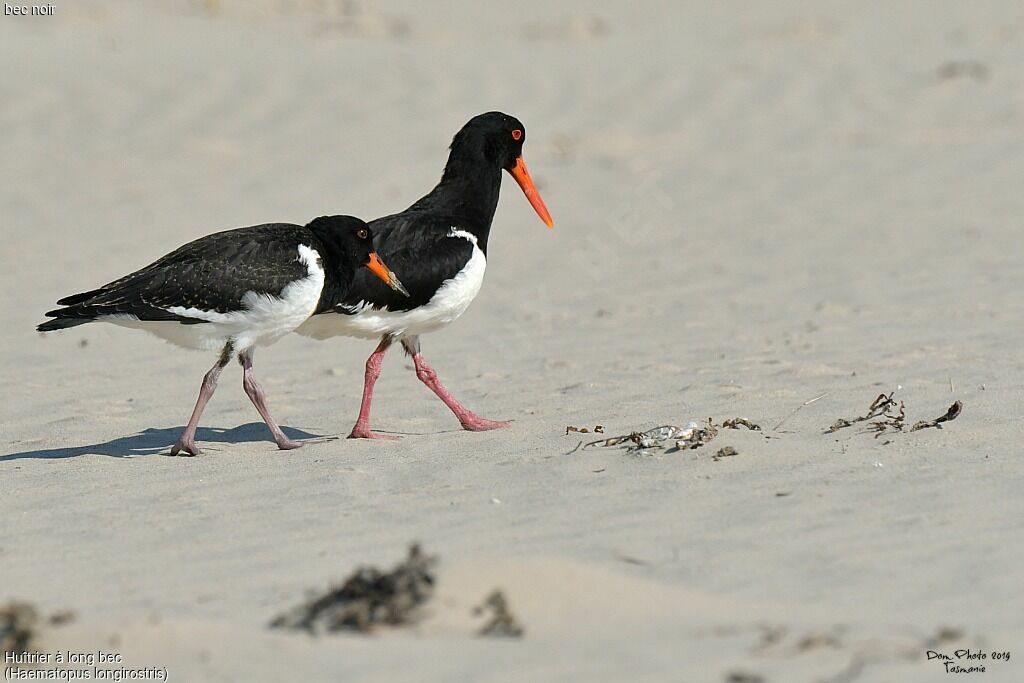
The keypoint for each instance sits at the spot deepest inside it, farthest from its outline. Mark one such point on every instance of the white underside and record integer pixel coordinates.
(449, 302)
(262, 320)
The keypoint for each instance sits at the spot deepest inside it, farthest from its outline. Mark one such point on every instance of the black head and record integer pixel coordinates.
(349, 234)
(352, 240)
(496, 139)
(495, 136)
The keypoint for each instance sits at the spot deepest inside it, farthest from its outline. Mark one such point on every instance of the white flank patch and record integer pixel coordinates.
(449, 302)
(263, 319)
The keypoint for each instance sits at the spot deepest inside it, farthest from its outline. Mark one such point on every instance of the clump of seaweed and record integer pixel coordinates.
(367, 599)
(886, 416)
(880, 407)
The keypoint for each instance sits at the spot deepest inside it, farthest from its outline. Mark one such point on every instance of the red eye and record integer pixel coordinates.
(517, 134)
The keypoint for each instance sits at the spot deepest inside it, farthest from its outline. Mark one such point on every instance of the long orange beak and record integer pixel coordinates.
(377, 267)
(522, 177)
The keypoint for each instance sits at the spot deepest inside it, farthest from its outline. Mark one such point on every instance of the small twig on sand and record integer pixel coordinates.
(805, 403)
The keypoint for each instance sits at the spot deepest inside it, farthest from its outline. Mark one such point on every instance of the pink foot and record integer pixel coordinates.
(479, 424)
(185, 448)
(288, 444)
(359, 432)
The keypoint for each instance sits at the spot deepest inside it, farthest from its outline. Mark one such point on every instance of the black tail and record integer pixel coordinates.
(77, 298)
(69, 317)
(61, 324)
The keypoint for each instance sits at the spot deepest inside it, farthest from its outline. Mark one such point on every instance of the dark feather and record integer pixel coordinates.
(212, 273)
(417, 247)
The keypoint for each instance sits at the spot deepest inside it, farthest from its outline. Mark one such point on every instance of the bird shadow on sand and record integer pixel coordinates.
(159, 442)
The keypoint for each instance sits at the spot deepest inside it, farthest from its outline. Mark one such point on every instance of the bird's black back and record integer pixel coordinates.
(212, 273)
(417, 247)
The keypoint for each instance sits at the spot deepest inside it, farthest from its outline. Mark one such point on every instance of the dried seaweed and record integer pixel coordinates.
(502, 622)
(367, 599)
(737, 422)
(885, 416)
(951, 414)
(889, 422)
(598, 429)
(880, 407)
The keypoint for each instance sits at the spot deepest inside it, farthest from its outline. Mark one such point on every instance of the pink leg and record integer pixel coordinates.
(186, 444)
(259, 399)
(361, 430)
(467, 418)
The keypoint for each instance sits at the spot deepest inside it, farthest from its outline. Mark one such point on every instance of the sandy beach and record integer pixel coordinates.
(773, 211)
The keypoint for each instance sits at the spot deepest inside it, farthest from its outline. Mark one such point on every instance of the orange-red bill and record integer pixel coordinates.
(522, 177)
(377, 267)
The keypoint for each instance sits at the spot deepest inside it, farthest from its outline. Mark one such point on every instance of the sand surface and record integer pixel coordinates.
(755, 205)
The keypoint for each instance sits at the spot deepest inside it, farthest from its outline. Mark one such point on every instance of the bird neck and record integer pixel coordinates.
(468, 194)
(338, 264)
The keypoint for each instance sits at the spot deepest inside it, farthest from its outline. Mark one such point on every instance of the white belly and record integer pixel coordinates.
(449, 302)
(262, 320)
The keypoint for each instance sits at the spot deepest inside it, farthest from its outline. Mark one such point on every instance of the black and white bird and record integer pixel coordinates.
(233, 291)
(439, 245)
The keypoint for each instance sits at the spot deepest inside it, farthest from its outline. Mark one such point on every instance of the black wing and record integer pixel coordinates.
(417, 247)
(212, 273)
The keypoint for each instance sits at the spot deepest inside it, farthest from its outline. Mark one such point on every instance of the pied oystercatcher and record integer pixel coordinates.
(233, 291)
(439, 245)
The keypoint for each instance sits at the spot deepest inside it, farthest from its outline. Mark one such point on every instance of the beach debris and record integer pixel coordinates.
(726, 452)
(879, 407)
(737, 422)
(691, 434)
(951, 414)
(695, 436)
(367, 599)
(671, 437)
(889, 422)
(18, 622)
(652, 438)
(598, 429)
(885, 416)
(502, 623)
